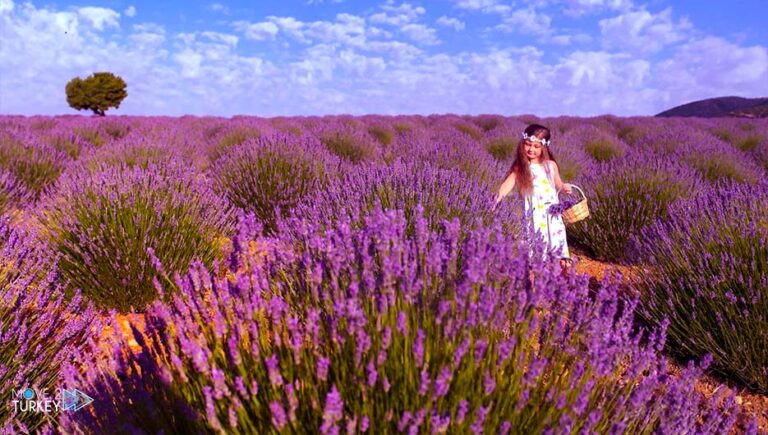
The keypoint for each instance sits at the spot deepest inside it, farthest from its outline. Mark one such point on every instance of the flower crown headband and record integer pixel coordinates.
(535, 139)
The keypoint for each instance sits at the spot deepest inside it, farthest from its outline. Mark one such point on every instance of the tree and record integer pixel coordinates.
(98, 92)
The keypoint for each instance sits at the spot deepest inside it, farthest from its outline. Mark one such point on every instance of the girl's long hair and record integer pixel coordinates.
(520, 166)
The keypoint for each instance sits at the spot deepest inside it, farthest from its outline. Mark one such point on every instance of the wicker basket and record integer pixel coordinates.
(578, 211)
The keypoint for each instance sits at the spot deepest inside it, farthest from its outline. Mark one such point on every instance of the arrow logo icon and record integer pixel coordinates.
(73, 400)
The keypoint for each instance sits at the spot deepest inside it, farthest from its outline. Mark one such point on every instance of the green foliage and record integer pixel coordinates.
(623, 198)
(629, 134)
(90, 135)
(724, 135)
(347, 145)
(502, 148)
(67, 144)
(232, 139)
(36, 167)
(469, 130)
(98, 92)
(603, 149)
(488, 122)
(13, 194)
(130, 155)
(569, 164)
(39, 331)
(706, 272)
(262, 176)
(43, 124)
(116, 130)
(382, 134)
(749, 143)
(720, 166)
(103, 224)
(743, 142)
(402, 127)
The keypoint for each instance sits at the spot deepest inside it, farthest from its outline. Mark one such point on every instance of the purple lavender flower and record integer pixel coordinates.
(273, 368)
(333, 412)
(418, 348)
(461, 413)
(279, 420)
(322, 368)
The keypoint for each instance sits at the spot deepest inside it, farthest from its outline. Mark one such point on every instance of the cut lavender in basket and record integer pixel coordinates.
(561, 207)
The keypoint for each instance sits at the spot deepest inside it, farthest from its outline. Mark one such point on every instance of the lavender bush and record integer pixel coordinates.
(714, 159)
(709, 276)
(370, 331)
(13, 194)
(444, 194)
(38, 329)
(65, 141)
(383, 134)
(90, 135)
(597, 143)
(348, 143)
(231, 139)
(34, 164)
(271, 175)
(623, 197)
(102, 225)
(502, 147)
(139, 153)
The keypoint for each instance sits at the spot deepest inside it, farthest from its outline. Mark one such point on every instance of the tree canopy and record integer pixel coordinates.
(97, 92)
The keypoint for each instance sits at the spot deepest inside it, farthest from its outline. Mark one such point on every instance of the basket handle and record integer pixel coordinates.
(583, 196)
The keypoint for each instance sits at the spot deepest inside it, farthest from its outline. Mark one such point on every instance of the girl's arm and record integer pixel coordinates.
(505, 188)
(558, 182)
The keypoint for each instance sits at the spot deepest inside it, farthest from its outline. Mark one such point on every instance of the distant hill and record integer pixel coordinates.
(721, 107)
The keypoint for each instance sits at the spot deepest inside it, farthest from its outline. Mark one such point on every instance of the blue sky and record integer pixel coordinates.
(311, 57)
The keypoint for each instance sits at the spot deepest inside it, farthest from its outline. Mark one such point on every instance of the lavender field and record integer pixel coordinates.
(348, 274)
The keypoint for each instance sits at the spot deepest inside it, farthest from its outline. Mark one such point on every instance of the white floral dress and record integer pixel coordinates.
(537, 217)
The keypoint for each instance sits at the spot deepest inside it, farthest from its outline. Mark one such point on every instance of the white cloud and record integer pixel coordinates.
(291, 26)
(397, 15)
(148, 35)
(603, 69)
(481, 5)
(259, 31)
(400, 52)
(218, 7)
(710, 64)
(527, 21)
(130, 11)
(100, 17)
(455, 23)
(643, 31)
(190, 62)
(420, 33)
(224, 38)
(6, 6)
(347, 29)
(580, 7)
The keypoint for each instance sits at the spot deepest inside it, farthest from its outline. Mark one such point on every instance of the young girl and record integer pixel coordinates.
(535, 175)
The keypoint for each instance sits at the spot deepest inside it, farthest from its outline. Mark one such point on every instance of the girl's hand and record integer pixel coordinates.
(567, 188)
